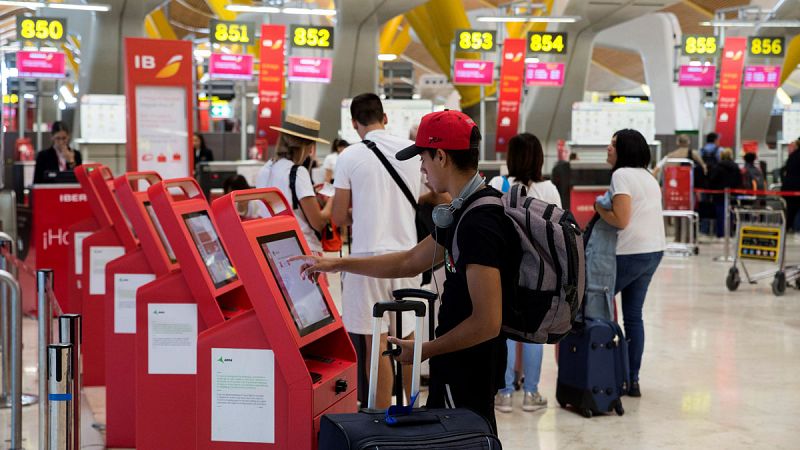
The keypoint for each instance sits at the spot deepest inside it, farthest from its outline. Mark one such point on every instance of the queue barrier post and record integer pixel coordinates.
(44, 285)
(60, 397)
(70, 331)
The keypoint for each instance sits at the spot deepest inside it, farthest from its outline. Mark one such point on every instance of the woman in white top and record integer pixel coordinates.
(636, 211)
(329, 164)
(525, 160)
(297, 141)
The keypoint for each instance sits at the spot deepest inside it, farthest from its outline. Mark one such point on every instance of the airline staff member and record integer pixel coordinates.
(58, 158)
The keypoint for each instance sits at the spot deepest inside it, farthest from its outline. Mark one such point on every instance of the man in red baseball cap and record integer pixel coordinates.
(467, 358)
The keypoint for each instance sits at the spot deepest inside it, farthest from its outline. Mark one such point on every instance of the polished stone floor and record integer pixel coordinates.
(720, 371)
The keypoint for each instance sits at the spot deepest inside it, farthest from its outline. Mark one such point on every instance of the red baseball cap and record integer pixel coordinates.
(447, 130)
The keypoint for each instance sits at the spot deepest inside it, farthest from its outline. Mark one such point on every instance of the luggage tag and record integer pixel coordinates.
(397, 415)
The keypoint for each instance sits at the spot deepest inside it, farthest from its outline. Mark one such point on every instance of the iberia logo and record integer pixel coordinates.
(172, 67)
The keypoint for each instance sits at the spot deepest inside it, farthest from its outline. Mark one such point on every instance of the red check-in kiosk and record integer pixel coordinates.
(99, 248)
(266, 376)
(171, 310)
(126, 201)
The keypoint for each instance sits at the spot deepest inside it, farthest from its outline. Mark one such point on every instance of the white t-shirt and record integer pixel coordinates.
(545, 190)
(383, 219)
(329, 163)
(645, 231)
(276, 174)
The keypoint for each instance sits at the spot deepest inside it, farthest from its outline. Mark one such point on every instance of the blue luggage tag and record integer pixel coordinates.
(396, 410)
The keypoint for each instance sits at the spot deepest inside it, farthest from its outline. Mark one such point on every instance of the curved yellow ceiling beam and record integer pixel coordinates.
(157, 26)
(792, 58)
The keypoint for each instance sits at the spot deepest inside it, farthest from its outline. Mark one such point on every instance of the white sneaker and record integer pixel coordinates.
(502, 402)
(533, 401)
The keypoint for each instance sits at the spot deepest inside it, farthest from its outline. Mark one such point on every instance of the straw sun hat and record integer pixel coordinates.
(302, 127)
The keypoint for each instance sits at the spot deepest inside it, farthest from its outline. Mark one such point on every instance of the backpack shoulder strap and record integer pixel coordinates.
(292, 182)
(392, 172)
(489, 200)
(506, 185)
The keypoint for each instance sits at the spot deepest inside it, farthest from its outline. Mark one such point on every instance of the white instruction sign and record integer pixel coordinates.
(99, 256)
(242, 395)
(125, 287)
(78, 237)
(172, 338)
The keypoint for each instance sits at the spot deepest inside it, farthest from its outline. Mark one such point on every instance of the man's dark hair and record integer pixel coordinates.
(366, 109)
(711, 138)
(632, 149)
(235, 183)
(525, 158)
(465, 160)
(749, 158)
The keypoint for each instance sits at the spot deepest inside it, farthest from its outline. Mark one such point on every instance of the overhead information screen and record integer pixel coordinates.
(160, 231)
(210, 248)
(304, 298)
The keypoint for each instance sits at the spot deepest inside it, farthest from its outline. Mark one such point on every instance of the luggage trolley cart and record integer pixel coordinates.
(679, 203)
(760, 236)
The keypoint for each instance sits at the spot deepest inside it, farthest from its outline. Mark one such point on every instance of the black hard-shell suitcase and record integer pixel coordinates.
(593, 368)
(452, 429)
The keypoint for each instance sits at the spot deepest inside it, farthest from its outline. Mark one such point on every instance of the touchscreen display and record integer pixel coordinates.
(210, 248)
(303, 297)
(160, 231)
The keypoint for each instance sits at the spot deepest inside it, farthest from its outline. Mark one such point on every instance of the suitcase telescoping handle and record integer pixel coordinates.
(378, 310)
(431, 297)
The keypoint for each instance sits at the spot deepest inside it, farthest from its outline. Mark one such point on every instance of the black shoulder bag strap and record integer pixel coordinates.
(296, 201)
(395, 176)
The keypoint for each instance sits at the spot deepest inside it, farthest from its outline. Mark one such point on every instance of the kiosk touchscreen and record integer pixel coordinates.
(292, 340)
(203, 292)
(124, 276)
(97, 249)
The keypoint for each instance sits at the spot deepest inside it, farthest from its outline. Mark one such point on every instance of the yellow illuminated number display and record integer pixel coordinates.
(547, 42)
(765, 46)
(41, 29)
(222, 32)
(700, 45)
(475, 40)
(316, 37)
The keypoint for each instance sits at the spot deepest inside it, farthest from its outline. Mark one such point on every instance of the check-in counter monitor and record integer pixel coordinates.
(203, 290)
(292, 340)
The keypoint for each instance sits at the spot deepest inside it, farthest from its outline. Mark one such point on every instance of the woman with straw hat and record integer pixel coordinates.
(298, 139)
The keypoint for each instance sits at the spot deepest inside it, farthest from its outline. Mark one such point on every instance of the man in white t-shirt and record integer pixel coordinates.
(382, 220)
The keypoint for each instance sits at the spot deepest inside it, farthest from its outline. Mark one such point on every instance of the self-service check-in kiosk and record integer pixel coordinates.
(98, 249)
(204, 292)
(126, 200)
(266, 376)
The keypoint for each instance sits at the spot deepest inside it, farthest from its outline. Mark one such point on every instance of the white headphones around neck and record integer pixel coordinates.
(443, 214)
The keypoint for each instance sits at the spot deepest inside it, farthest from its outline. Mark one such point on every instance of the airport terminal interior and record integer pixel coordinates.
(211, 209)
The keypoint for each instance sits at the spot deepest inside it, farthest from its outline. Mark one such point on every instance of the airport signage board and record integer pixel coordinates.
(225, 32)
(475, 40)
(762, 77)
(312, 37)
(511, 73)
(765, 46)
(159, 86)
(222, 66)
(473, 72)
(41, 64)
(544, 74)
(312, 70)
(697, 76)
(41, 29)
(730, 89)
(696, 45)
(270, 84)
(546, 42)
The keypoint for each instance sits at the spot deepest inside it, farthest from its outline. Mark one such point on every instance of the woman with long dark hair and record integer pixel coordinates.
(636, 211)
(58, 158)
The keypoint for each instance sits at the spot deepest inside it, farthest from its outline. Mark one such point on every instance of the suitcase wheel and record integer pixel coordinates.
(619, 409)
(587, 412)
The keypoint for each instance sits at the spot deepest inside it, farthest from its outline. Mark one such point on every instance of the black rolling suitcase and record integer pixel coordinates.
(405, 428)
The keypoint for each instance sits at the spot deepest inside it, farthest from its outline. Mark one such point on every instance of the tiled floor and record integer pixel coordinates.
(720, 371)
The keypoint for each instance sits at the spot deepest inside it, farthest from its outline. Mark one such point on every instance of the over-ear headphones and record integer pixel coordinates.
(443, 214)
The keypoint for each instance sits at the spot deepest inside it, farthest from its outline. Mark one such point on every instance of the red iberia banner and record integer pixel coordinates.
(270, 84)
(730, 88)
(512, 72)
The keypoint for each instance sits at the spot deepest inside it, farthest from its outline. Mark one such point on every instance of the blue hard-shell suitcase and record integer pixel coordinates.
(438, 429)
(593, 368)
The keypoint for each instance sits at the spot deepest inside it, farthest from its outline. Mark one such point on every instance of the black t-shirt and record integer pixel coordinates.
(486, 237)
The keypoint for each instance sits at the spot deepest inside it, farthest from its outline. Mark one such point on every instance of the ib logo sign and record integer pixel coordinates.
(148, 62)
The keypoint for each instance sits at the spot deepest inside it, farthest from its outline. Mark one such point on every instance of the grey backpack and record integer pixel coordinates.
(552, 274)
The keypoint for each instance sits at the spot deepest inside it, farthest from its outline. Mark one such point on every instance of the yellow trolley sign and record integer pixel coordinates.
(543, 42)
(224, 32)
(696, 45)
(765, 46)
(760, 242)
(475, 40)
(312, 37)
(41, 29)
